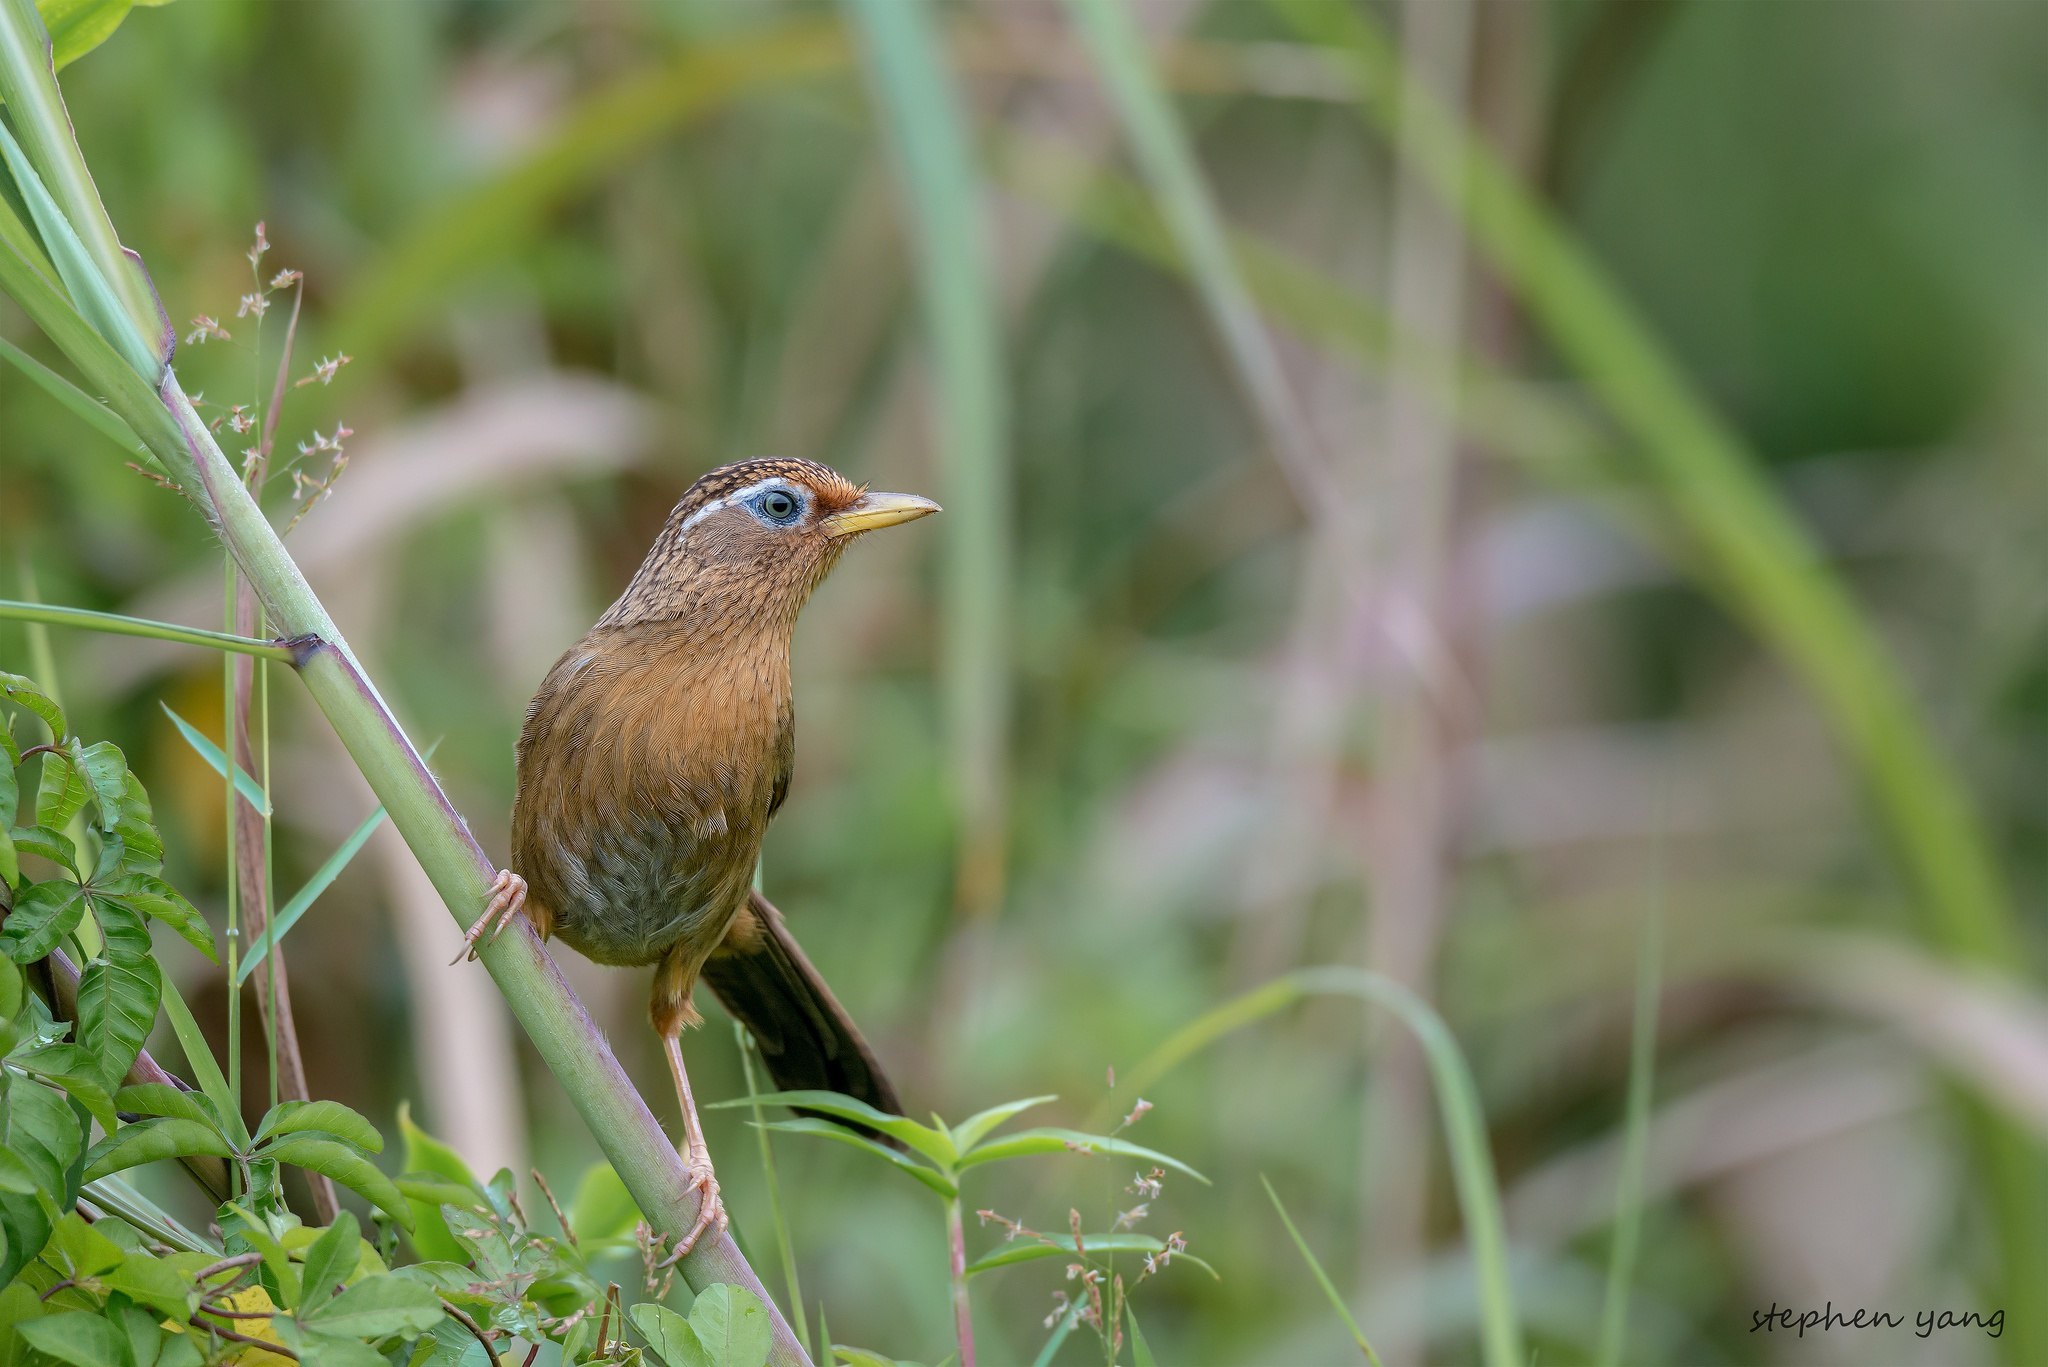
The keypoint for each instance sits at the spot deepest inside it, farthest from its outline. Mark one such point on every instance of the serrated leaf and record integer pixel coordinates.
(331, 1259)
(151, 1141)
(118, 993)
(976, 1127)
(1029, 1142)
(331, 1117)
(17, 689)
(44, 913)
(346, 1166)
(105, 771)
(374, 1307)
(933, 1144)
(669, 1336)
(151, 896)
(732, 1326)
(79, 1338)
(839, 1134)
(159, 1098)
(63, 791)
(54, 846)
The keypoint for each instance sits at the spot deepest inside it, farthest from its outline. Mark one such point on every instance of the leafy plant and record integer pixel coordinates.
(938, 1156)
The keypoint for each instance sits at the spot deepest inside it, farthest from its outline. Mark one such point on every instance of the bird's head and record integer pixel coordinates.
(749, 541)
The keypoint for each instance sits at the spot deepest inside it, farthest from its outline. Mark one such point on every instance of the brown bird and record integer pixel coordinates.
(652, 758)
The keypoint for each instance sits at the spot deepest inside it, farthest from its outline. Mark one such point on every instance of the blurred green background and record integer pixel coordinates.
(1154, 715)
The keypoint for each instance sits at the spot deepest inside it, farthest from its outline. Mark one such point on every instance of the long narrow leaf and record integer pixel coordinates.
(1315, 1266)
(903, 1163)
(1026, 1143)
(1028, 1250)
(288, 916)
(931, 1143)
(975, 1128)
(199, 1055)
(251, 791)
(91, 411)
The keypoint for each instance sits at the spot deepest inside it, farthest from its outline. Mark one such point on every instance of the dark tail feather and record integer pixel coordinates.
(807, 1039)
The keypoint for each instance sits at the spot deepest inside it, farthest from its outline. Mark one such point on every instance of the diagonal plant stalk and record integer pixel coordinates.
(154, 404)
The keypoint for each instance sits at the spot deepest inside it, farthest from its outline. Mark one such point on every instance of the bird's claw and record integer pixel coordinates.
(508, 898)
(709, 1208)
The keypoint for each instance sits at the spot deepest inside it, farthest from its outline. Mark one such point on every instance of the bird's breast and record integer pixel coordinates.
(647, 770)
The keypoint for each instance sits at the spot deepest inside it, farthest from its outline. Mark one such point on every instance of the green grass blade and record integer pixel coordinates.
(88, 285)
(205, 1071)
(251, 791)
(1458, 1105)
(942, 192)
(323, 877)
(91, 411)
(1322, 1278)
(784, 1245)
(28, 86)
(1628, 1196)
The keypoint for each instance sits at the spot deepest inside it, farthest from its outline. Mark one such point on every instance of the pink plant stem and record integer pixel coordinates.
(963, 1314)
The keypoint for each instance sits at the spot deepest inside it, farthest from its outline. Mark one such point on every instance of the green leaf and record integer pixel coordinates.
(289, 915)
(51, 845)
(331, 1259)
(251, 791)
(975, 1128)
(155, 1283)
(1030, 1250)
(80, 1250)
(933, 1144)
(92, 293)
(732, 1326)
(29, 694)
(424, 1153)
(42, 1130)
(72, 1068)
(330, 1117)
(902, 1162)
(1330, 1292)
(1141, 1351)
(10, 861)
(136, 825)
(44, 913)
(1028, 1142)
(118, 994)
(669, 1336)
(149, 895)
(15, 1175)
(78, 1337)
(63, 791)
(152, 1141)
(199, 1055)
(139, 1328)
(105, 771)
(247, 1234)
(602, 1208)
(329, 1350)
(374, 1307)
(76, 27)
(90, 410)
(344, 1165)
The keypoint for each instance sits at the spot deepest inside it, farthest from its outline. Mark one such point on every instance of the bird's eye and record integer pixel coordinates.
(779, 505)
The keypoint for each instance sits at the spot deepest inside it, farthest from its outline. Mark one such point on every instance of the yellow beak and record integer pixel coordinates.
(873, 511)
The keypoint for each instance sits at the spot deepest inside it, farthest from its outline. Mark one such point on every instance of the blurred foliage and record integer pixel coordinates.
(581, 253)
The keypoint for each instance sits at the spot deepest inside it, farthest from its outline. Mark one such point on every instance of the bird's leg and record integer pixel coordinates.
(674, 980)
(508, 897)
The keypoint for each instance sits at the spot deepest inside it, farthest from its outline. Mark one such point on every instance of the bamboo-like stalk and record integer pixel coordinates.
(161, 413)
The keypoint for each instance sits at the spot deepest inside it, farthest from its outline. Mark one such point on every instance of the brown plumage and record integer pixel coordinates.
(656, 751)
